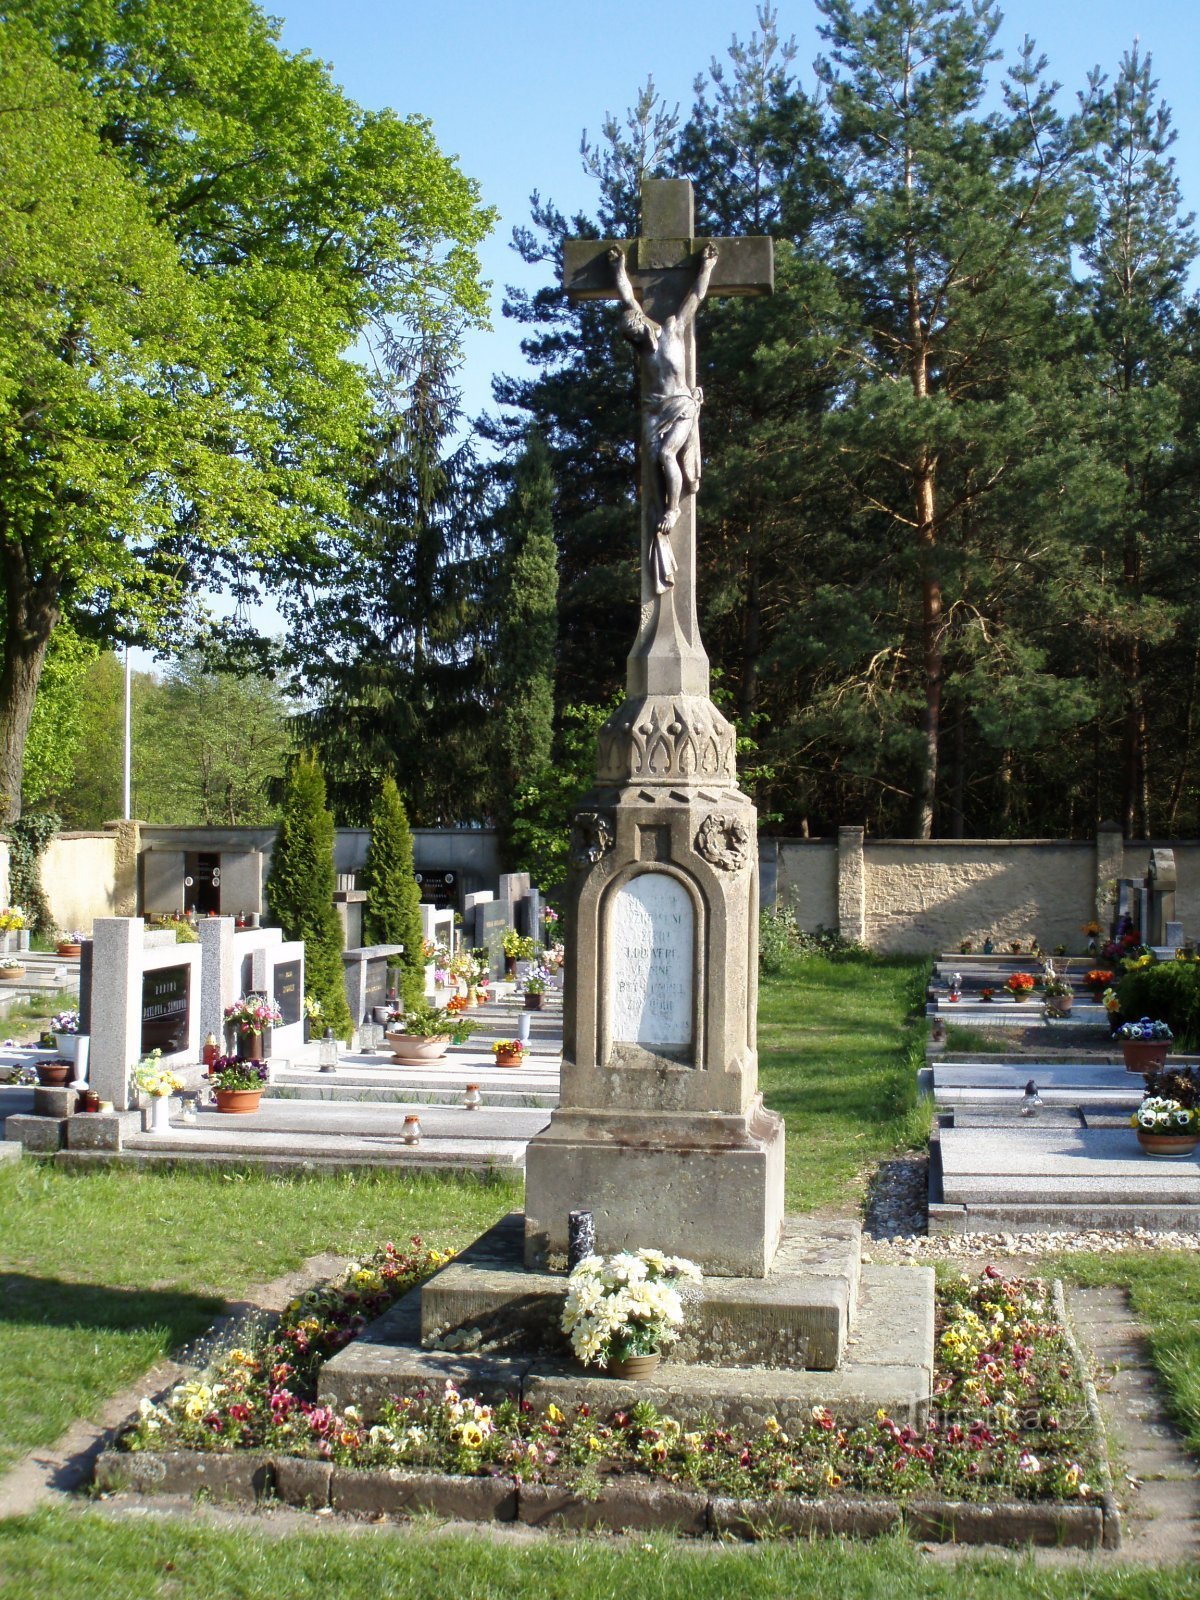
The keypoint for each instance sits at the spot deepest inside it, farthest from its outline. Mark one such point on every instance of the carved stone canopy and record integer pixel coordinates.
(667, 739)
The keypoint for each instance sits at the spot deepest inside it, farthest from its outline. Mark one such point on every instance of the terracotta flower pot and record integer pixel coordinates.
(1145, 1055)
(1167, 1144)
(535, 1002)
(634, 1369)
(69, 948)
(238, 1101)
(410, 1052)
(55, 1074)
(11, 974)
(509, 1058)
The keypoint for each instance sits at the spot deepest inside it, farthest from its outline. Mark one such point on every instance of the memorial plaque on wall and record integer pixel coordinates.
(438, 889)
(166, 996)
(288, 989)
(491, 924)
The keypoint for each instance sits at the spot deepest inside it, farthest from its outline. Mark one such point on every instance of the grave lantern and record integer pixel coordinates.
(472, 1098)
(328, 1052)
(1031, 1100)
(412, 1129)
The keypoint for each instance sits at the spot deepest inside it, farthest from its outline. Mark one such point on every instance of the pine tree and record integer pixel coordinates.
(392, 643)
(953, 247)
(393, 914)
(1142, 588)
(300, 889)
(527, 631)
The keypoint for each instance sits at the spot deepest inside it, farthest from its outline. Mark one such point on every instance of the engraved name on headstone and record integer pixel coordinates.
(652, 943)
(166, 992)
(288, 997)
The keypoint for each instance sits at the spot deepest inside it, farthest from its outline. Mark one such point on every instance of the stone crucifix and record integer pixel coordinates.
(662, 278)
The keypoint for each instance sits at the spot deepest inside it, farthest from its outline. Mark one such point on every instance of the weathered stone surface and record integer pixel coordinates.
(1014, 1523)
(797, 1316)
(302, 1482)
(739, 1397)
(396, 1493)
(53, 1102)
(94, 1130)
(222, 1476)
(39, 1134)
(635, 1505)
(9, 1151)
(788, 1516)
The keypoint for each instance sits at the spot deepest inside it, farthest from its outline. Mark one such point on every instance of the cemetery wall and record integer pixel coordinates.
(929, 894)
(807, 880)
(81, 878)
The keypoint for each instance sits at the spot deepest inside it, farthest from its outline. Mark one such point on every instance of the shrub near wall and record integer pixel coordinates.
(1168, 991)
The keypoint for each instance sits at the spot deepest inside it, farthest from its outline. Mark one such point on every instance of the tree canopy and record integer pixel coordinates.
(195, 228)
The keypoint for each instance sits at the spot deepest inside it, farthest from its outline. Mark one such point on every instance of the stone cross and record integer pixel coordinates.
(668, 271)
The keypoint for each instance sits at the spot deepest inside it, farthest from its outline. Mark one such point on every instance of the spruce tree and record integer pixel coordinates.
(300, 889)
(393, 914)
(527, 631)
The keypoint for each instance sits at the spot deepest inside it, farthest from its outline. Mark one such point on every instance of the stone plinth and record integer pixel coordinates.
(887, 1362)
(661, 1132)
(798, 1316)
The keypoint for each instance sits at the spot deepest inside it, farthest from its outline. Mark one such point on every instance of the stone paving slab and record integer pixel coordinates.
(1082, 1166)
(1057, 1075)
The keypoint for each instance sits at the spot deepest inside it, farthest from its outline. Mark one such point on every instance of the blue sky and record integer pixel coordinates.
(510, 85)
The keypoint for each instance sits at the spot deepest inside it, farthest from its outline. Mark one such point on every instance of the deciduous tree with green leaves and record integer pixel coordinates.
(393, 909)
(300, 889)
(195, 228)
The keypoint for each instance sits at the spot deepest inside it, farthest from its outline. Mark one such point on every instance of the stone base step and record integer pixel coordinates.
(485, 1164)
(888, 1364)
(799, 1315)
(1000, 1217)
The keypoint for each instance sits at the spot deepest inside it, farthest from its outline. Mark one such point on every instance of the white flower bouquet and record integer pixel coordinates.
(625, 1305)
(1157, 1115)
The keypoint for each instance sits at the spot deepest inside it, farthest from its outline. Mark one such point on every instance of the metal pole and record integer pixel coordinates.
(128, 730)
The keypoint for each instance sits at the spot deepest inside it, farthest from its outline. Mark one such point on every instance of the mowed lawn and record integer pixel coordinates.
(839, 1045)
(102, 1273)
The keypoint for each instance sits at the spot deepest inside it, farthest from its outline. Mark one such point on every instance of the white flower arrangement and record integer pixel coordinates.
(1156, 1115)
(626, 1305)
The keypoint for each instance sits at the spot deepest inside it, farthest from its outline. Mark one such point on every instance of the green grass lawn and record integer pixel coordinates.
(839, 1044)
(1164, 1291)
(102, 1273)
(88, 1557)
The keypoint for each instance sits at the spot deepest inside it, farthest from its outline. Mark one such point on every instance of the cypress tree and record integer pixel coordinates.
(300, 889)
(393, 914)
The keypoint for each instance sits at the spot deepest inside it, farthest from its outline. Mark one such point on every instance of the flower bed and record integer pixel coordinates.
(1009, 1422)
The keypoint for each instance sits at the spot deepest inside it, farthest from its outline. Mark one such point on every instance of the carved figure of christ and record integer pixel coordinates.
(661, 279)
(670, 405)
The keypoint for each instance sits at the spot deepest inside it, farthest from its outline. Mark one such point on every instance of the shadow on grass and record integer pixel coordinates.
(58, 1303)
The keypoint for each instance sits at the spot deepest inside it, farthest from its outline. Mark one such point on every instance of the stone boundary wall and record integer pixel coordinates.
(921, 895)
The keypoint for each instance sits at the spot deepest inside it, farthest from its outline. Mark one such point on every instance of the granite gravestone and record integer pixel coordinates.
(660, 1129)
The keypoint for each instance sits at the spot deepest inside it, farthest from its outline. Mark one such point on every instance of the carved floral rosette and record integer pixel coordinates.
(667, 739)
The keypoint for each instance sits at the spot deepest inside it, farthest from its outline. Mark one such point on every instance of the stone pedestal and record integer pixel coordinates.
(661, 1131)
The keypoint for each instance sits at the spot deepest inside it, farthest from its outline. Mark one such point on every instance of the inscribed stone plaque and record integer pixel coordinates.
(166, 995)
(286, 981)
(493, 919)
(650, 974)
(375, 982)
(438, 888)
